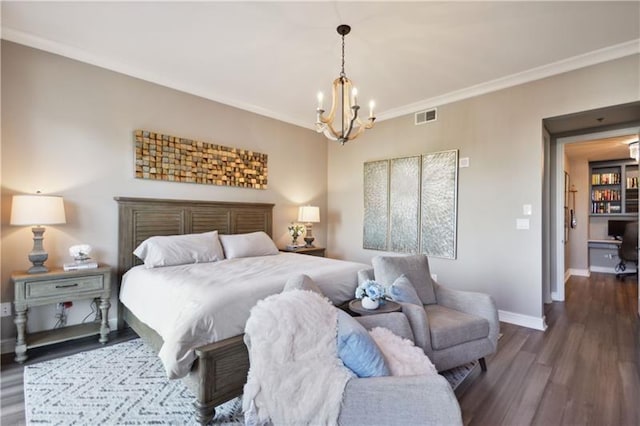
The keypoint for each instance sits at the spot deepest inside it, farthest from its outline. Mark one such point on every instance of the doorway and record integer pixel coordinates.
(592, 131)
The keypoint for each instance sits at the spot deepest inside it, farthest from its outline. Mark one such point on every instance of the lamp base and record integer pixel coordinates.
(37, 269)
(309, 241)
(38, 255)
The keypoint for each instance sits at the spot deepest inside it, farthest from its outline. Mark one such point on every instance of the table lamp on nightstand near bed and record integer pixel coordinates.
(37, 210)
(309, 215)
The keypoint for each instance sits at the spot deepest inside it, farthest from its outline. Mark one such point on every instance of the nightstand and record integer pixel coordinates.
(311, 251)
(389, 306)
(58, 286)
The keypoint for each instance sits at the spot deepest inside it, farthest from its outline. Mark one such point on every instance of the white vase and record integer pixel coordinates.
(368, 303)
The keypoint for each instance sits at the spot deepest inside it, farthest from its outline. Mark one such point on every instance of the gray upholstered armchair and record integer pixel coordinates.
(453, 327)
(385, 400)
(399, 400)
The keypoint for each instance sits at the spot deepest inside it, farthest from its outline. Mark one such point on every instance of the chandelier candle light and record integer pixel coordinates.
(351, 126)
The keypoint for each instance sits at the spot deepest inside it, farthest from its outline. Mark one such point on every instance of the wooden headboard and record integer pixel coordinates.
(141, 218)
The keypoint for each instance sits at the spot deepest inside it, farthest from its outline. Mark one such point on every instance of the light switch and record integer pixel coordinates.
(522, 223)
(527, 209)
(464, 162)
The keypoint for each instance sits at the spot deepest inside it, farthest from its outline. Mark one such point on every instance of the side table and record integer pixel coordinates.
(312, 251)
(58, 286)
(389, 306)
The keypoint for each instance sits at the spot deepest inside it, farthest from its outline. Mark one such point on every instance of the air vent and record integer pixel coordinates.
(426, 116)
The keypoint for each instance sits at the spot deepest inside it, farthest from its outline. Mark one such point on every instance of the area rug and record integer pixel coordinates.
(123, 384)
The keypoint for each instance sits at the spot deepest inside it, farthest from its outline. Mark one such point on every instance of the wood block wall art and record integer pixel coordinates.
(175, 159)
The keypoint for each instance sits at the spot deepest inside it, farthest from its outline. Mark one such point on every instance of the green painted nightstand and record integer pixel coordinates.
(58, 286)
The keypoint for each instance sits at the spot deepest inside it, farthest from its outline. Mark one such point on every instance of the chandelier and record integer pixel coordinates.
(350, 126)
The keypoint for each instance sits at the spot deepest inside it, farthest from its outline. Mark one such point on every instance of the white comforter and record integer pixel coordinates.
(192, 305)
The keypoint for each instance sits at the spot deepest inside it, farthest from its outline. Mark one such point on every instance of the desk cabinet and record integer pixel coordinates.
(56, 287)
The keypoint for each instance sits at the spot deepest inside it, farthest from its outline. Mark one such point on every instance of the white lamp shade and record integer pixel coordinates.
(37, 210)
(309, 214)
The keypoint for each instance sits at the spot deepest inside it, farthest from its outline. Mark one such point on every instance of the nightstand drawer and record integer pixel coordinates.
(63, 286)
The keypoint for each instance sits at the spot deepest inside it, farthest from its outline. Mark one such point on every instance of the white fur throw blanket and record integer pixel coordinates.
(295, 375)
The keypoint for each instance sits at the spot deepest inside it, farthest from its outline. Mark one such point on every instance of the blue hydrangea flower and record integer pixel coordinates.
(370, 289)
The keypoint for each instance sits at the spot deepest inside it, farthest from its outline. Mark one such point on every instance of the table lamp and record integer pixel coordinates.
(37, 210)
(309, 215)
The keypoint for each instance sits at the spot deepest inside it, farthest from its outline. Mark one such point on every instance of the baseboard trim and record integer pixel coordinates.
(9, 345)
(555, 297)
(523, 320)
(579, 272)
(609, 270)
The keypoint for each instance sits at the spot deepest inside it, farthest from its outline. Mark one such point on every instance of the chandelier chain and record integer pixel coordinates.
(342, 74)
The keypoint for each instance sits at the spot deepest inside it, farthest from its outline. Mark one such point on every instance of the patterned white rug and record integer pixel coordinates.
(123, 384)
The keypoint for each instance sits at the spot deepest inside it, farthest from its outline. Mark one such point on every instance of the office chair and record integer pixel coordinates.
(628, 251)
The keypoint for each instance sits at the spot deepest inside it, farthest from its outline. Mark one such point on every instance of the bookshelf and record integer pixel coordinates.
(614, 187)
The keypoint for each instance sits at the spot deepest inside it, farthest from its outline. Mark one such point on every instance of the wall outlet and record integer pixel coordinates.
(5, 309)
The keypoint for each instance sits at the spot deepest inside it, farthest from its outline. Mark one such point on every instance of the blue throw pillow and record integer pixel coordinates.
(403, 291)
(357, 349)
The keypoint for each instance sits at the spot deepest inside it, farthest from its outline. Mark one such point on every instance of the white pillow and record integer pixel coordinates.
(402, 356)
(180, 249)
(248, 245)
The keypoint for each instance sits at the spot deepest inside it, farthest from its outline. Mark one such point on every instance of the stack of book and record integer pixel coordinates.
(294, 246)
(80, 264)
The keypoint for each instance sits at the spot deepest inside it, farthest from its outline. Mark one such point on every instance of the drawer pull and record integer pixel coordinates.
(67, 285)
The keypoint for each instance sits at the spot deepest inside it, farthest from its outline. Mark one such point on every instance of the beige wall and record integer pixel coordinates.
(67, 130)
(501, 133)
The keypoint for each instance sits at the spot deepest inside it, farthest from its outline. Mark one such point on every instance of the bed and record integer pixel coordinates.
(220, 368)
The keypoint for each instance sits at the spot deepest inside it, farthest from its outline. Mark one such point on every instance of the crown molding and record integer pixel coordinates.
(570, 64)
(591, 58)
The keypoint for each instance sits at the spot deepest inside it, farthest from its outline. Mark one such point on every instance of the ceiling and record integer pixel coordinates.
(273, 57)
(615, 148)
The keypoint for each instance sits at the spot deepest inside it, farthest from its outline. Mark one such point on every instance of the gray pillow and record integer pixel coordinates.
(403, 291)
(302, 282)
(170, 250)
(365, 275)
(248, 245)
(388, 268)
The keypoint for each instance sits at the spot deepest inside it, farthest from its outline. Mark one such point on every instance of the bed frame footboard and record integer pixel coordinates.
(222, 372)
(218, 374)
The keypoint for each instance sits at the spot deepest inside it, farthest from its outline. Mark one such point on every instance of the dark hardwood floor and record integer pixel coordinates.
(584, 370)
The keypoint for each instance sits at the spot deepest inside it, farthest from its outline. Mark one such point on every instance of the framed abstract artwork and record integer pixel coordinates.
(376, 205)
(410, 204)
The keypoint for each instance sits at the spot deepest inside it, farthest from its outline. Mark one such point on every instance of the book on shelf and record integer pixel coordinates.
(78, 265)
